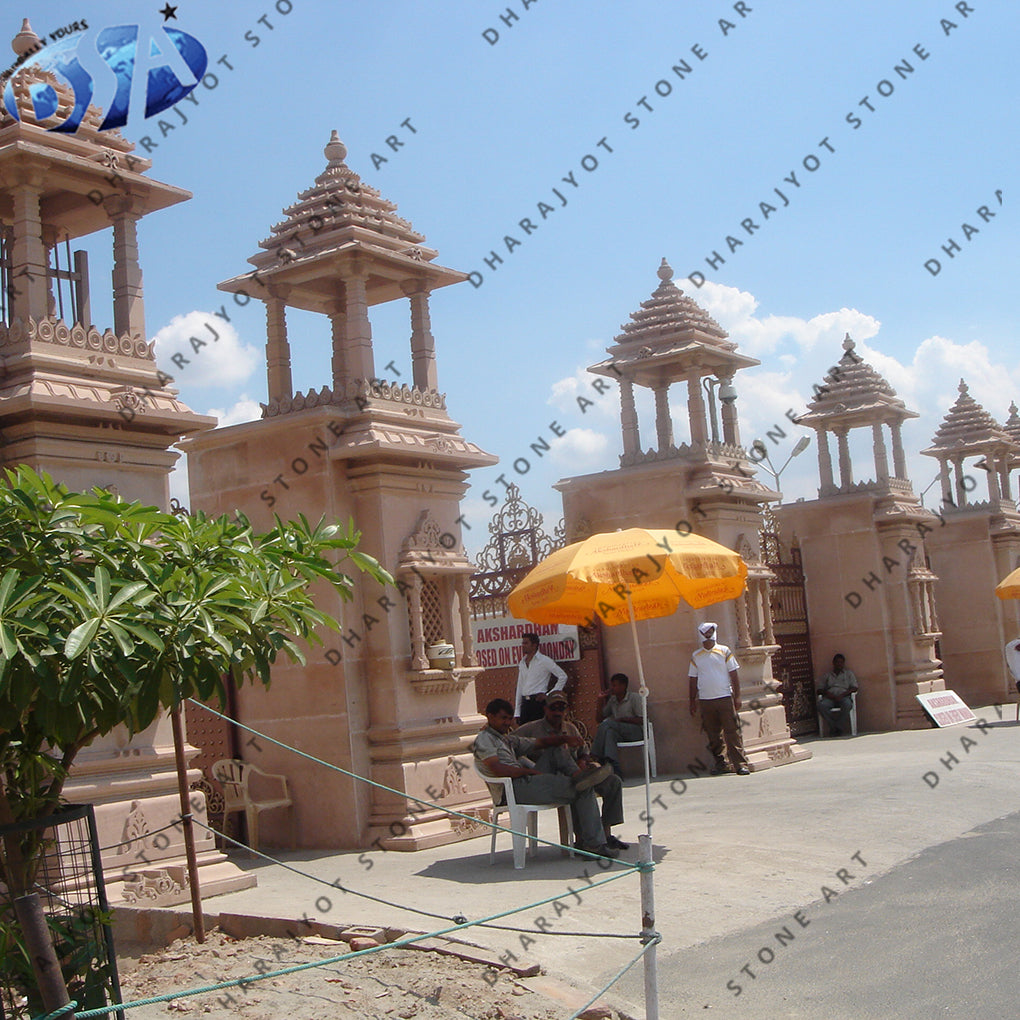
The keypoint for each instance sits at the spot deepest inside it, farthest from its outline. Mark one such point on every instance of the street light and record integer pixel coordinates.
(763, 454)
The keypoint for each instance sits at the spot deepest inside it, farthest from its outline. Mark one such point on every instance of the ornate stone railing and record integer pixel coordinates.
(52, 330)
(360, 393)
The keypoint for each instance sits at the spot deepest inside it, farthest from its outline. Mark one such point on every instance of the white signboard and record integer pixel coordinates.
(946, 708)
(498, 641)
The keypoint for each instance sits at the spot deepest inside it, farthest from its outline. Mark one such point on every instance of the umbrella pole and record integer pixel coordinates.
(648, 931)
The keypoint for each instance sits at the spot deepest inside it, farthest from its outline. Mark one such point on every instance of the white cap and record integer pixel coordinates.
(707, 630)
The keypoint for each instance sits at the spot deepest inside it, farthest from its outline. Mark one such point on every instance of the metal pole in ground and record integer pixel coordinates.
(189, 832)
(648, 932)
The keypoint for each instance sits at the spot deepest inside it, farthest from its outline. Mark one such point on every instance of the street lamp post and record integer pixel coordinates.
(763, 455)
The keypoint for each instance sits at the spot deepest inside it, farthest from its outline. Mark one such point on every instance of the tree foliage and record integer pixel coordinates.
(113, 611)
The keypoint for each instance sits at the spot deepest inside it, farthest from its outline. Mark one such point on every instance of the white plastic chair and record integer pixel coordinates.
(523, 818)
(823, 722)
(234, 776)
(641, 743)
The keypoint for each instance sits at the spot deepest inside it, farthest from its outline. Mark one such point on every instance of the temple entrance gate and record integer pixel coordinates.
(518, 542)
(792, 663)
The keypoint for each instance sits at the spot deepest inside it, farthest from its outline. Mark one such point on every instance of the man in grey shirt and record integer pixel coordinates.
(622, 719)
(500, 753)
(836, 696)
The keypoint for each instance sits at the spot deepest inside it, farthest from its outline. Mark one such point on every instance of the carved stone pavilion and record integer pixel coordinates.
(389, 456)
(864, 547)
(977, 546)
(705, 484)
(88, 406)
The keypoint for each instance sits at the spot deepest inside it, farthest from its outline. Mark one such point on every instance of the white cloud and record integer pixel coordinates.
(202, 349)
(568, 395)
(582, 450)
(245, 409)
(734, 310)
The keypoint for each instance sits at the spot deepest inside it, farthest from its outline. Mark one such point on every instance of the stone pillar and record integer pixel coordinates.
(961, 492)
(846, 471)
(730, 423)
(766, 613)
(358, 338)
(899, 460)
(418, 659)
(881, 458)
(945, 483)
(743, 631)
(696, 412)
(1003, 469)
(423, 344)
(128, 306)
(28, 255)
(341, 377)
(628, 419)
(824, 461)
(468, 657)
(277, 350)
(663, 420)
(994, 494)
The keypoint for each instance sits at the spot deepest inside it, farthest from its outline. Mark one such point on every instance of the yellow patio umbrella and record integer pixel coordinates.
(1009, 587)
(621, 576)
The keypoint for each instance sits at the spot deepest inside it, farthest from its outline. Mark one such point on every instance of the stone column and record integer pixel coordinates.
(28, 254)
(277, 350)
(696, 412)
(468, 657)
(341, 377)
(881, 458)
(358, 338)
(1003, 469)
(730, 422)
(961, 492)
(899, 460)
(423, 344)
(418, 659)
(743, 632)
(628, 419)
(128, 306)
(846, 470)
(945, 483)
(663, 420)
(824, 461)
(766, 612)
(993, 480)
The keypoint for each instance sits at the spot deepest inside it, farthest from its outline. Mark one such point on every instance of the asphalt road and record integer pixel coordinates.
(934, 937)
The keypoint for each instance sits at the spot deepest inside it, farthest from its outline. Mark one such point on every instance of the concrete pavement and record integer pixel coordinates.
(738, 859)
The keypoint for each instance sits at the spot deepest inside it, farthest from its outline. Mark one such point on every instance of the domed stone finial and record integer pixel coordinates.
(335, 150)
(665, 272)
(26, 40)
(963, 388)
(1013, 409)
(848, 343)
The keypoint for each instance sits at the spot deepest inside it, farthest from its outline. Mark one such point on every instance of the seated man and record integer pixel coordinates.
(622, 719)
(836, 696)
(1012, 651)
(500, 753)
(576, 763)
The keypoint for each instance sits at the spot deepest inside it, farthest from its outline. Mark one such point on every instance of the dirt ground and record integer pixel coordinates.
(391, 984)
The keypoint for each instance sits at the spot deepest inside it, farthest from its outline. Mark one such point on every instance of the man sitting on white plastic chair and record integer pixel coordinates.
(500, 753)
(622, 721)
(836, 696)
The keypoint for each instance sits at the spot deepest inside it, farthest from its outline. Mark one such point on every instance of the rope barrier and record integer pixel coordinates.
(591, 1002)
(297, 968)
(140, 837)
(69, 1008)
(401, 906)
(407, 796)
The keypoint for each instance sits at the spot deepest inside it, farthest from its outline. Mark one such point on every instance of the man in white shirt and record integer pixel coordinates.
(715, 687)
(537, 675)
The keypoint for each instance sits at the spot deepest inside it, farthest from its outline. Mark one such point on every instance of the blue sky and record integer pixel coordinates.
(774, 93)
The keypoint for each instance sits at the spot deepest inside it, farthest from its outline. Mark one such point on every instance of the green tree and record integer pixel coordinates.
(111, 612)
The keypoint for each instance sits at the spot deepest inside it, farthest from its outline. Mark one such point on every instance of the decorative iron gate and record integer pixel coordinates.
(792, 663)
(518, 542)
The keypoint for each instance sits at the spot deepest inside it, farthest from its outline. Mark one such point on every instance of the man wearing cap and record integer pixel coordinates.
(836, 696)
(537, 674)
(715, 687)
(500, 753)
(574, 761)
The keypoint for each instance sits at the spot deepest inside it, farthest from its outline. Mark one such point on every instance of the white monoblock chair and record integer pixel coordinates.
(523, 818)
(651, 747)
(823, 723)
